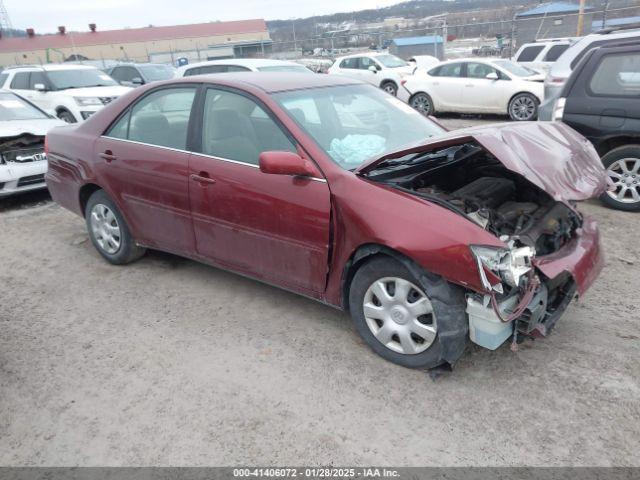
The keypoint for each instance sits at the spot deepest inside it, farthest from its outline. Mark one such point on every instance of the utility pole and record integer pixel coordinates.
(293, 25)
(5, 21)
(580, 18)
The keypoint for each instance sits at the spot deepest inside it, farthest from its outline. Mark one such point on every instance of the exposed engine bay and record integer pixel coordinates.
(22, 149)
(469, 180)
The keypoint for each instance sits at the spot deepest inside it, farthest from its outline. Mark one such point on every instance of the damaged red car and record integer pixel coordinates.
(335, 190)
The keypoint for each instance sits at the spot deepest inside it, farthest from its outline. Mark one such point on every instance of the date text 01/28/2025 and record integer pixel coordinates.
(316, 472)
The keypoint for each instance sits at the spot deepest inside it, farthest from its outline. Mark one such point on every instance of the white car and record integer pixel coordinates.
(22, 159)
(380, 69)
(475, 86)
(241, 65)
(70, 92)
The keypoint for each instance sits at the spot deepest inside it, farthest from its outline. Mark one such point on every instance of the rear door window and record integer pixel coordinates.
(20, 81)
(448, 70)
(554, 53)
(617, 75)
(37, 78)
(529, 54)
(349, 63)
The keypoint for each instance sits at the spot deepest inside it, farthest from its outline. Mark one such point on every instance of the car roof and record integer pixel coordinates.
(272, 82)
(364, 54)
(243, 62)
(52, 67)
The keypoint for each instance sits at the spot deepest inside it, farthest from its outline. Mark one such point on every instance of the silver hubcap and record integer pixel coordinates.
(399, 315)
(523, 108)
(421, 103)
(389, 89)
(626, 178)
(105, 228)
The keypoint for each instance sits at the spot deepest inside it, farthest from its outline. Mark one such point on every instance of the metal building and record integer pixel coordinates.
(551, 20)
(408, 47)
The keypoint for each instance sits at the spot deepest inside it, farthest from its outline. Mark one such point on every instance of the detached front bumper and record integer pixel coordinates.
(582, 257)
(22, 177)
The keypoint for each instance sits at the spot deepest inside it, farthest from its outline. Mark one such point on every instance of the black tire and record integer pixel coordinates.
(127, 250)
(390, 87)
(630, 152)
(67, 116)
(448, 304)
(517, 114)
(423, 103)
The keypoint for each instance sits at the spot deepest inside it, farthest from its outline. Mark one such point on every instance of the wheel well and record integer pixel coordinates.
(61, 109)
(609, 144)
(85, 193)
(520, 93)
(384, 82)
(362, 255)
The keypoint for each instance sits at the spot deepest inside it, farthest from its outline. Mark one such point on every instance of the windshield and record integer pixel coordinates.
(153, 73)
(13, 107)
(356, 123)
(514, 68)
(391, 61)
(285, 68)
(79, 78)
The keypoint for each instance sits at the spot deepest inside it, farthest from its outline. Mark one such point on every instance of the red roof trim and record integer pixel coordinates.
(131, 35)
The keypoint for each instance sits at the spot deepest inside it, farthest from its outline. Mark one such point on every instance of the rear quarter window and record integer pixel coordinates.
(617, 75)
(554, 53)
(529, 54)
(3, 79)
(20, 81)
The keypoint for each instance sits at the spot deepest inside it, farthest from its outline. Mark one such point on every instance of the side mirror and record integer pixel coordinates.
(137, 81)
(286, 163)
(373, 69)
(492, 76)
(40, 87)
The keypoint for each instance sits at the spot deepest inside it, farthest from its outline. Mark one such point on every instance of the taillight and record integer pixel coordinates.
(558, 109)
(403, 81)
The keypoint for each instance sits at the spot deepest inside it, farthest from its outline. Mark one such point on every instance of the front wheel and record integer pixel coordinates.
(523, 107)
(109, 232)
(414, 322)
(623, 168)
(390, 88)
(422, 103)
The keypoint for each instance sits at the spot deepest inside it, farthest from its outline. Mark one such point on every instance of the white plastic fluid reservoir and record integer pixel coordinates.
(485, 327)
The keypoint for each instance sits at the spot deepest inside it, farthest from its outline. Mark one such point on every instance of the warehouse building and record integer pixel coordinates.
(203, 41)
(551, 20)
(408, 47)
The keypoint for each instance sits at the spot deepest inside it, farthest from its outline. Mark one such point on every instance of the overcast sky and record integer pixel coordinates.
(46, 15)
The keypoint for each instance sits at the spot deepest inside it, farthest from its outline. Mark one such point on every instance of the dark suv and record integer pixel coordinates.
(134, 74)
(601, 100)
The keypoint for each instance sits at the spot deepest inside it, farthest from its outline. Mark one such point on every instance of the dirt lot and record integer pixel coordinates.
(169, 362)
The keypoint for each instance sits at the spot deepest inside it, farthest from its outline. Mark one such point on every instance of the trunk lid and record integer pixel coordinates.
(550, 155)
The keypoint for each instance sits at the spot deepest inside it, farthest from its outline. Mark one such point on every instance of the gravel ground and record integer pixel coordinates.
(169, 362)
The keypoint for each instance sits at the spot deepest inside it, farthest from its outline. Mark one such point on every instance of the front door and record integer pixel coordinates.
(446, 87)
(482, 94)
(273, 227)
(143, 164)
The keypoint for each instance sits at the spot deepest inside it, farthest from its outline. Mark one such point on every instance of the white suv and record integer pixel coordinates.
(70, 92)
(380, 69)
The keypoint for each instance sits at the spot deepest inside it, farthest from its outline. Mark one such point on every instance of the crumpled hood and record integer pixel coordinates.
(15, 128)
(550, 155)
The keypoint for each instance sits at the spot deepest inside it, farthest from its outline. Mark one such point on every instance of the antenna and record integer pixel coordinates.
(5, 21)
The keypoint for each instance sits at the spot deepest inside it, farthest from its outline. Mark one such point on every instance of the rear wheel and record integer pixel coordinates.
(422, 103)
(523, 107)
(623, 168)
(389, 87)
(109, 232)
(414, 322)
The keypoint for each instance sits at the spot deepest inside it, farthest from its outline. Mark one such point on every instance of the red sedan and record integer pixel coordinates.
(338, 191)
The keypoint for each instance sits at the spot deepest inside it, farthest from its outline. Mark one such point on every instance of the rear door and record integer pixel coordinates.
(273, 227)
(142, 161)
(604, 96)
(447, 86)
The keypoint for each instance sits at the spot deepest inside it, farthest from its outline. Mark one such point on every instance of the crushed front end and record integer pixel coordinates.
(23, 164)
(549, 251)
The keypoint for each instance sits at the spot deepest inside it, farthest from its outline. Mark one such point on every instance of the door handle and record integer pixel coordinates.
(202, 178)
(108, 156)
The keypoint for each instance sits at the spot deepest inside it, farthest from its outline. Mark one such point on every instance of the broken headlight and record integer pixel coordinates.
(509, 265)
